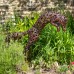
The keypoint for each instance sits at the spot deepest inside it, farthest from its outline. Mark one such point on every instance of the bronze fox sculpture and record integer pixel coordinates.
(55, 19)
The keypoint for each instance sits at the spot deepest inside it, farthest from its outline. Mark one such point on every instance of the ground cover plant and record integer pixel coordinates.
(10, 56)
(51, 46)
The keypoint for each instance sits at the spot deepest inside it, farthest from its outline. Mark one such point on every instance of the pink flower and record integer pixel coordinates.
(72, 63)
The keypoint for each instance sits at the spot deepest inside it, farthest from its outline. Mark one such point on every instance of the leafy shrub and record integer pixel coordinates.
(63, 68)
(10, 56)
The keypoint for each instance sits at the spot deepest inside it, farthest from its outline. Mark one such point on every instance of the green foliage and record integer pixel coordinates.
(63, 68)
(53, 44)
(10, 56)
(37, 71)
(25, 67)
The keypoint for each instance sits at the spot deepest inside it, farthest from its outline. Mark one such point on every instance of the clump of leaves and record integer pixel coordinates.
(10, 56)
(63, 68)
(25, 67)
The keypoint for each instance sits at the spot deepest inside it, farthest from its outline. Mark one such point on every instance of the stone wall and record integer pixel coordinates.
(23, 7)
